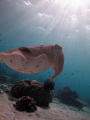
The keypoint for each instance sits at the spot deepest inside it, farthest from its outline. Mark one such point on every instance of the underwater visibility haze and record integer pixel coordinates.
(49, 22)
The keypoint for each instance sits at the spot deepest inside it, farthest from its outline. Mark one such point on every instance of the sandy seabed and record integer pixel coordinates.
(55, 111)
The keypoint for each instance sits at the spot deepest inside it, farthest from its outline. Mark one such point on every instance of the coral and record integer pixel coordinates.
(49, 85)
(25, 103)
(33, 89)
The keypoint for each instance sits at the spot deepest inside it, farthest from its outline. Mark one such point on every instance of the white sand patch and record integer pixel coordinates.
(56, 111)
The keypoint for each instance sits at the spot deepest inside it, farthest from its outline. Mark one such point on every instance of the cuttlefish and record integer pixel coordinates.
(33, 59)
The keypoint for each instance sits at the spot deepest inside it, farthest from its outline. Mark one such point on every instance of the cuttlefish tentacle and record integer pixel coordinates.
(58, 58)
(58, 70)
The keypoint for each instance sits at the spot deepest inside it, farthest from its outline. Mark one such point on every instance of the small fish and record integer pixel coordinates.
(72, 73)
(34, 59)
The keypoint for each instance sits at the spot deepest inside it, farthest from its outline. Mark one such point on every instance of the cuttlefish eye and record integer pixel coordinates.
(58, 46)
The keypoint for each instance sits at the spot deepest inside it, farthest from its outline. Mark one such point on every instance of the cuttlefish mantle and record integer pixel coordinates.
(34, 59)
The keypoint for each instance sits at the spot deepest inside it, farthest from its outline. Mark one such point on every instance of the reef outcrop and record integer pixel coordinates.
(25, 103)
(33, 89)
(69, 97)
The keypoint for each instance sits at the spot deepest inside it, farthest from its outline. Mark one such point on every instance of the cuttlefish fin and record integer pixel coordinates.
(0, 55)
(1, 59)
(17, 52)
(39, 63)
(27, 57)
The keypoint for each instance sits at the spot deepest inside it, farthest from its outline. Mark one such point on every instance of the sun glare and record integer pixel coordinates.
(74, 3)
(77, 3)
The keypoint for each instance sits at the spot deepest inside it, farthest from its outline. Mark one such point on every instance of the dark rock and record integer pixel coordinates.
(25, 103)
(74, 94)
(69, 97)
(33, 89)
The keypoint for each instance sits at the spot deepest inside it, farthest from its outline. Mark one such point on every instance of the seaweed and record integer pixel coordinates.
(49, 85)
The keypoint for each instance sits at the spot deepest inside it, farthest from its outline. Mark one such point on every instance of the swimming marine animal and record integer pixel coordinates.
(33, 59)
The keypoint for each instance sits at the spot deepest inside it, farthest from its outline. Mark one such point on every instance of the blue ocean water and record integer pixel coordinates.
(47, 22)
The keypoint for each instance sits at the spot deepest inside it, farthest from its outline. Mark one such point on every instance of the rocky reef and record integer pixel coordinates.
(8, 78)
(33, 89)
(5, 88)
(25, 103)
(69, 97)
